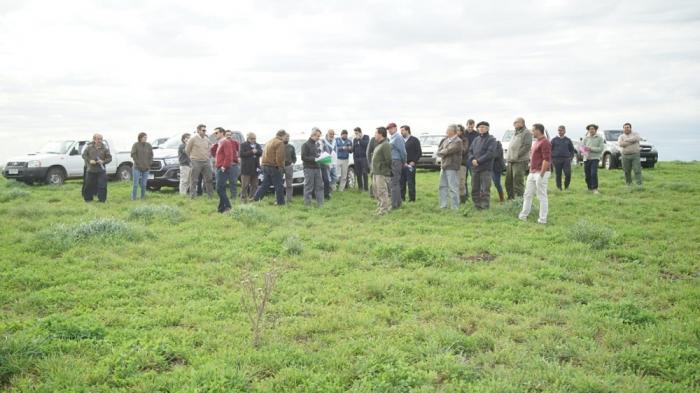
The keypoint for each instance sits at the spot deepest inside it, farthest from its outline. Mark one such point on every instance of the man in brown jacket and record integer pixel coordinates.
(273, 167)
(450, 151)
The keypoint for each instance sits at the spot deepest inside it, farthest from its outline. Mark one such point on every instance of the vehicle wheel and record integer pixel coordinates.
(351, 178)
(124, 172)
(28, 182)
(55, 176)
(607, 161)
(651, 165)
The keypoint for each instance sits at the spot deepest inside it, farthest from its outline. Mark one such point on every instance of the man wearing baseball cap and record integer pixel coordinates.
(398, 160)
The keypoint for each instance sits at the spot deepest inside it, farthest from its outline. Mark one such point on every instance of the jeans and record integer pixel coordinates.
(481, 189)
(221, 177)
(184, 179)
(343, 168)
(632, 163)
(202, 168)
(96, 183)
(289, 181)
(249, 184)
(140, 179)
(396, 167)
(381, 193)
(361, 170)
(326, 175)
(408, 178)
(590, 167)
(515, 179)
(271, 176)
(562, 164)
(496, 177)
(313, 186)
(536, 183)
(233, 174)
(449, 184)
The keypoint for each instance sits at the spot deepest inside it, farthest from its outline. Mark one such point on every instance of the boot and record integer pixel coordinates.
(500, 197)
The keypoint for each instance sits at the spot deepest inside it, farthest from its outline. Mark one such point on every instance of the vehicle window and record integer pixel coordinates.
(430, 140)
(56, 147)
(507, 136)
(172, 143)
(612, 135)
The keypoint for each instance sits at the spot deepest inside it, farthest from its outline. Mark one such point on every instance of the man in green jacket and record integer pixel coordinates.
(593, 146)
(518, 158)
(381, 171)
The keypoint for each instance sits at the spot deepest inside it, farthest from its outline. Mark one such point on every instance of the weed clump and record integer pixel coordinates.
(61, 237)
(80, 329)
(249, 214)
(255, 301)
(12, 194)
(595, 235)
(293, 245)
(150, 213)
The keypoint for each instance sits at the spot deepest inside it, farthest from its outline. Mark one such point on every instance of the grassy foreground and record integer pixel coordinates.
(146, 297)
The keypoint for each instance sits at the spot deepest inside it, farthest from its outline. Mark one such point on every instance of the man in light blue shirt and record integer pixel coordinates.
(398, 160)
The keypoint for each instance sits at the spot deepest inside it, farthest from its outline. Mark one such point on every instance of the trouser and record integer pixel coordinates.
(221, 178)
(496, 177)
(562, 164)
(184, 179)
(233, 174)
(481, 188)
(515, 179)
(249, 184)
(590, 168)
(381, 193)
(202, 168)
(313, 186)
(536, 184)
(326, 175)
(140, 178)
(408, 180)
(632, 163)
(272, 176)
(462, 177)
(361, 169)
(96, 184)
(396, 167)
(449, 184)
(289, 181)
(343, 169)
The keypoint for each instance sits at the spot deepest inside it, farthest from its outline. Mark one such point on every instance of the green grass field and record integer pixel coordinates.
(146, 296)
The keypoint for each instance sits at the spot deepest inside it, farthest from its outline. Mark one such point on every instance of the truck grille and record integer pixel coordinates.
(156, 165)
(645, 148)
(17, 164)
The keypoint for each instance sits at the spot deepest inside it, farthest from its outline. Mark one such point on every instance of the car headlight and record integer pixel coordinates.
(172, 161)
(34, 164)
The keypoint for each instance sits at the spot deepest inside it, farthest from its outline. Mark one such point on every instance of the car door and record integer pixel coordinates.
(74, 160)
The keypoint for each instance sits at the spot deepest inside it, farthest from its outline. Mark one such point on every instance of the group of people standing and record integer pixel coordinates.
(389, 159)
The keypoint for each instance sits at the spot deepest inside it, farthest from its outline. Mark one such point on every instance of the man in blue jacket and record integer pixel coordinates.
(562, 153)
(481, 155)
(359, 155)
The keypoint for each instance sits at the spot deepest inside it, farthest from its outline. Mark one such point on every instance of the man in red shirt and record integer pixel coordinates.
(224, 161)
(540, 159)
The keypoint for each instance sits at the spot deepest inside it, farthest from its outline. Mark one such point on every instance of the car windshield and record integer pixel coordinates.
(172, 143)
(431, 140)
(56, 147)
(613, 135)
(507, 136)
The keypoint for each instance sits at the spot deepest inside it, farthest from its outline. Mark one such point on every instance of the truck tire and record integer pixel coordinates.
(124, 172)
(608, 161)
(351, 177)
(55, 176)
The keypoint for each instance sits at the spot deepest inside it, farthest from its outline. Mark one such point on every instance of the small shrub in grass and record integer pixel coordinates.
(249, 214)
(18, 354)
(424, 255)
(388, 251)
(255, 301)
(293, 245)
(150, 213)
(595, 235)
(12, 194)
(679, 186)
(73, 329)
(62, 237)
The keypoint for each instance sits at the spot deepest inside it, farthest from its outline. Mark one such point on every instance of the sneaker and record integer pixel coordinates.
(542, 222)
(522, 218)
(596, 192)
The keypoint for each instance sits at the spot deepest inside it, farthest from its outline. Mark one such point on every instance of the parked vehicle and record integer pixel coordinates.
(612, 157)
(298, 177)
(429, 144)
(60, 160)
(158, 142)
(165, 168)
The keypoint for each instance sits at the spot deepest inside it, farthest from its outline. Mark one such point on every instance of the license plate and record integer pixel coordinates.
(12, 171)
(642, 159)
(151, 176)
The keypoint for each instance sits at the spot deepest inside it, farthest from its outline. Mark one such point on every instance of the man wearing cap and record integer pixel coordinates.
(273, 167)
(343, 147)
(518, 156)
(481, 155)
(398, 161)
(359, 155)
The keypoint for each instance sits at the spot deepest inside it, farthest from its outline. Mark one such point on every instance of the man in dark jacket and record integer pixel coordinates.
(96, 156)
(382, 171)
(463, 172)
(562, 153)
(185, 167)
(408, 174)
(250, 153)
(481, 155)
(498, 167)
(313, 180)
(359, 155)
(471, 134)
(370, 153)
(290, 157)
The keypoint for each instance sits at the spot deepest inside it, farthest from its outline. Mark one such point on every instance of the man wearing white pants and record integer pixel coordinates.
(540, 159)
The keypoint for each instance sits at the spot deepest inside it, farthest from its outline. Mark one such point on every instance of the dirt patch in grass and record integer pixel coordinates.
(483, 256)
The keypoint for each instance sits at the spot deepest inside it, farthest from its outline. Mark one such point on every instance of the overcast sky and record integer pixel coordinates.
(71, 68)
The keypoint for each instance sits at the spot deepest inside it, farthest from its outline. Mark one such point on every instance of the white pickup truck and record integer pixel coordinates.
(61, 160)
